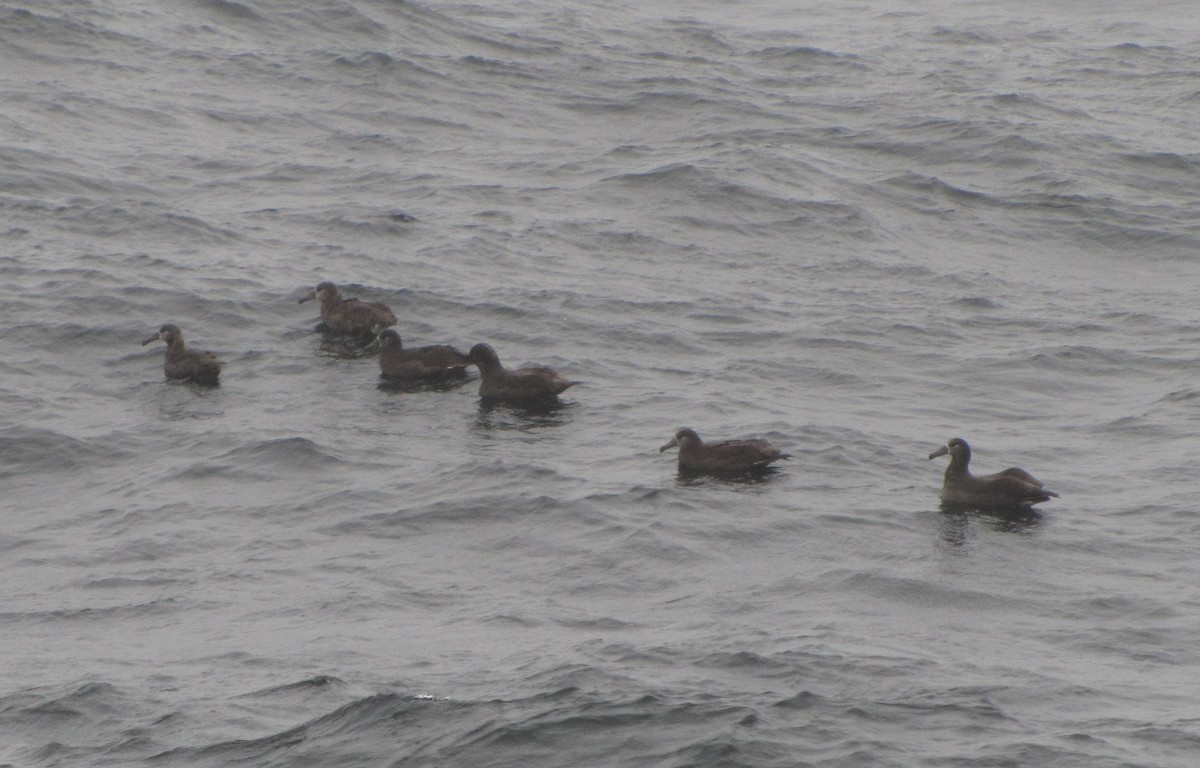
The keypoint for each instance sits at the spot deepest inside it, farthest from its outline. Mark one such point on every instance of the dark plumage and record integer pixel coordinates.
(727, 457)
(419, 363)
(182, 364)
(521, 385)
(352, 316)
(1013, 488)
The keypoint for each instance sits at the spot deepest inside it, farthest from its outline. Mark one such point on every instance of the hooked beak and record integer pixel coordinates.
(671, 444)
(312, 295)
(155, 337)
(374, 342)
(940, 452)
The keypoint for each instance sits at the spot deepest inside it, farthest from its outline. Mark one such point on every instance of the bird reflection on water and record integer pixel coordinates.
(495, 416)
(341, 346)
(955, 521)
(395, 386)
(746, 480)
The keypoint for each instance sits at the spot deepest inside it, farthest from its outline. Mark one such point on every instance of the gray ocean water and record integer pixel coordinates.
(857, 230)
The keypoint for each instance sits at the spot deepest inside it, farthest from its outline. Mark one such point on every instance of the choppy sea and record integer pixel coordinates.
(857, 230)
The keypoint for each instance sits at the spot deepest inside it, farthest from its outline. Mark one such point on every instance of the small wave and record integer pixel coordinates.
(502, 69)
(387, 224)
(1024, 103)
(146, 220)
(578, 725)
(99, 614)
(340, 728)
(1188, 164)
(1092, 360)
(752, 663)
(379, 61)
(1013, 148)
(1138, 48)
(934, 185)
(679, 173)
(921, 592)
(804, 54)
(24, 449)
(1180, 396)
(78, 710)
(801, 700)
(600, 624)
(289, 455)
(230, 10)
(40, 175)
(43, 36)
(319, 682)
(977, 302)
(963, 36)
(403, 522)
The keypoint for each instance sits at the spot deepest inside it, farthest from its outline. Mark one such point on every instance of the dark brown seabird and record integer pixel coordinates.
(182, 364)
(1011, 489)
(522, 385)
(352, 316)
(726, 457)
(431, 363)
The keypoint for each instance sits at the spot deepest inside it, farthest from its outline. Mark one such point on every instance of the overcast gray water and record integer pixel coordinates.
(857, 230)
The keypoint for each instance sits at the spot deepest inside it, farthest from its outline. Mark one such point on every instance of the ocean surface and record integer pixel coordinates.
(857, 230)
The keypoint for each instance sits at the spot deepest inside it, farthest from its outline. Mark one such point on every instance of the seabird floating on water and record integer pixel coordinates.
(184, 365)
(520, 385)
(352, 316)
(726, 457)
(1013, 488)
(430, 363)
